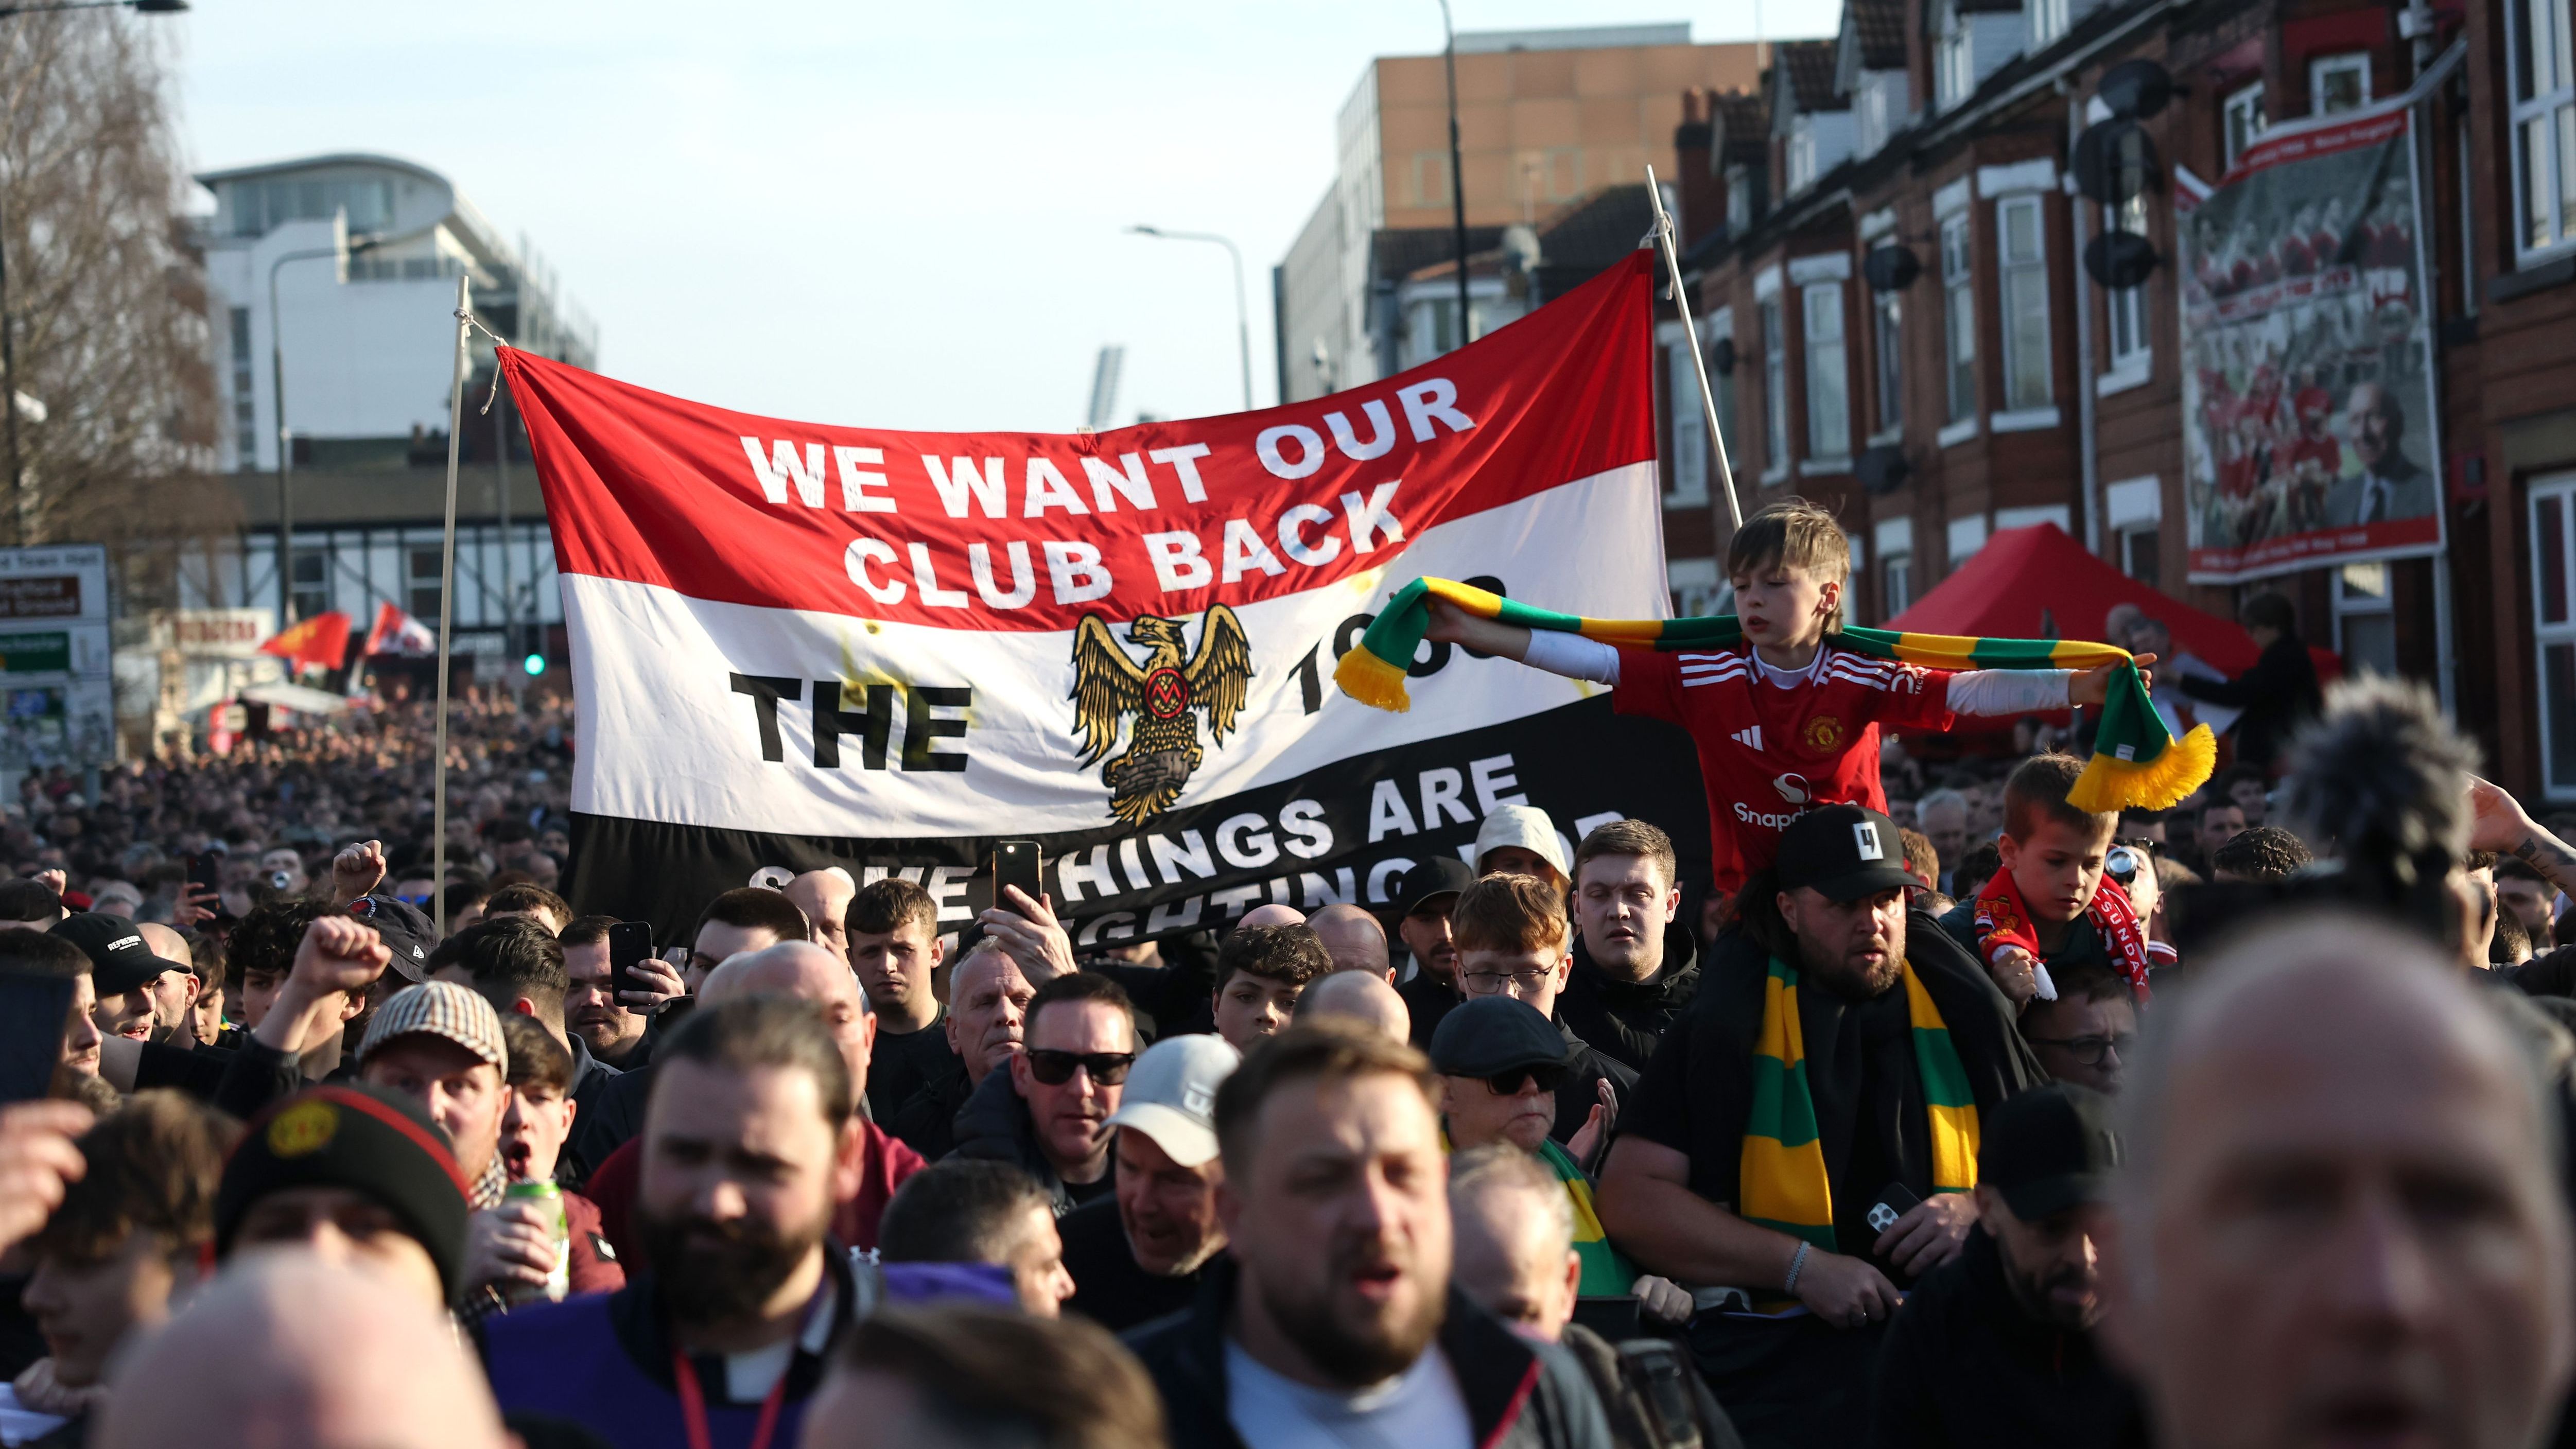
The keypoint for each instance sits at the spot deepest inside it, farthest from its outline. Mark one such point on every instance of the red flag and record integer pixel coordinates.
(321, 641)
(399, 633)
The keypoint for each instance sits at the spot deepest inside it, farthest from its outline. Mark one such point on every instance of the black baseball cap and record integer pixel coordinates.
(1842, 852)
(406, 932)
(1490, 1035)
(2050, 1149)
(119, 958)
(1442, 875)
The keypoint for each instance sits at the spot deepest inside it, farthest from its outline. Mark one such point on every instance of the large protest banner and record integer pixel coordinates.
(797, 645)
(2309, 424)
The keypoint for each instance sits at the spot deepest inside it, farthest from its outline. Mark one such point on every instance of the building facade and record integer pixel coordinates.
(1987, 381)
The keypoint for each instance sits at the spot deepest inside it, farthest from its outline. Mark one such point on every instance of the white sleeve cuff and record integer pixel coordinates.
(2009, 691)
(1573, 656)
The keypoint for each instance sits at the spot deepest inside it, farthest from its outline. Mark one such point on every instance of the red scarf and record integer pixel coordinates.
(2002, 920)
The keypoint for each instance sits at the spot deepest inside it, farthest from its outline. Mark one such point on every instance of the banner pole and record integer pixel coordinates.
(447, 610)
(1670, 246)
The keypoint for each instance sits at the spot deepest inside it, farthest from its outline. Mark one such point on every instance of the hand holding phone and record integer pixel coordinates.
(628, 943)
(1015, 863)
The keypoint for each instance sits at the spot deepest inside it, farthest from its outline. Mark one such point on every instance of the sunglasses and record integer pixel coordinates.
(1107, 1069)
(1508, 1084)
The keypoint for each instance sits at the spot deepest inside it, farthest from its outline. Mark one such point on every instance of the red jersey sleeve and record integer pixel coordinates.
(1915, 699)
(1649, 685)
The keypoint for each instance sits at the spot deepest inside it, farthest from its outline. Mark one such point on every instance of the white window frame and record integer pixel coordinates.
(1954, 61)
(1827, 350)
(1887, 359)
(2048, 20)
(1895, 584)
(1690, 426)
(2547, 113)
(2325, 67)
(1802, 154)
(1775, 389)
(2352, 600)
(1959, 318)
(2022, 300)
(1718, 325)
(2558, 489)
(2128, 561)
(2132, 351)
(2241, 119)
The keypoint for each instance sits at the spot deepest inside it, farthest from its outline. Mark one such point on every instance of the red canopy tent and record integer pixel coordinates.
(2037, 583)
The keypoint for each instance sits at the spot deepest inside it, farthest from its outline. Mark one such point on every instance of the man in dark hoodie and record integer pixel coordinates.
(1997, 1347)
(1048, 1113)
(1332, 1317)
(1635, 965)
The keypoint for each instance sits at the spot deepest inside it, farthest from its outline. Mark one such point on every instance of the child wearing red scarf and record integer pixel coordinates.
(2049, 903)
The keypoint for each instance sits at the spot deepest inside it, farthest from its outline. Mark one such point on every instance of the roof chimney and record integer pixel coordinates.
(1702, 195)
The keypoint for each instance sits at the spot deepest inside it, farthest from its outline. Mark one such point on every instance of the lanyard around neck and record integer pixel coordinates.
(693, 1403)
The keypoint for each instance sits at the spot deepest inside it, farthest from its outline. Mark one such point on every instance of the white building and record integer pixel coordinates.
(362, 336)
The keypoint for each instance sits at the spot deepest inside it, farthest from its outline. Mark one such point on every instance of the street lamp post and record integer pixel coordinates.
(1457, 172)
(8, 323)
(277, 406)
(1242, 313)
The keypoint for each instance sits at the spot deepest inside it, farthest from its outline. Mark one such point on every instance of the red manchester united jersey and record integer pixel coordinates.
(1768, 753)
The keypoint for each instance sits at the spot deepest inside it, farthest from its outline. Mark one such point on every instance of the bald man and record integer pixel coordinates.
(2338, 1216)
(1359, 996)
(1271, 915)
(285, 1349)
(809, 973)
(173, 993)
(1354, 939)
(824, 896)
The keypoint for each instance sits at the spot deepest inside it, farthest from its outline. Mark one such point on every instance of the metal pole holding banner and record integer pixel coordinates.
(447, 610)
(1670, 245)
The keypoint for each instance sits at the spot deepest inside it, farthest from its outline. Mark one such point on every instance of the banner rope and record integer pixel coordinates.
(474, 323)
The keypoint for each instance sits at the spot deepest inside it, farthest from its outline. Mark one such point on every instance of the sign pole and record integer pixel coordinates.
(447, 609)
(1670, 246)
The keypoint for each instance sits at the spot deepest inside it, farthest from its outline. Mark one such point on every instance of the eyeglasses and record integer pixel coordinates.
(1490, 983)
(1107, 1069)
(1547, 1077)
(2090, 1050)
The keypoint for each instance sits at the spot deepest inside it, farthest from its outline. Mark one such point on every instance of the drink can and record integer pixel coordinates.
(547, 1199)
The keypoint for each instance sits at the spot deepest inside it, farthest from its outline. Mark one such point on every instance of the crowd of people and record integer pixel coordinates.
(1948, 1112)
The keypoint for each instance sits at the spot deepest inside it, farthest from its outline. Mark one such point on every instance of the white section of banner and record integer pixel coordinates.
(666, 737)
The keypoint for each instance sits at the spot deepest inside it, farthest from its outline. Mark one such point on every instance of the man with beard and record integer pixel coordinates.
(750, 1141)
(1049, 1113)
(1998, 1347)
(1331, 1319)
(1428, 891)
(1761, 1144)
(1138, 1256)
(988, 1003)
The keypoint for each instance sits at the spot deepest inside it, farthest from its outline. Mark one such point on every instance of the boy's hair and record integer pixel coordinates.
(749, 907)
(154, 1166)
(2265, 852)
(1291, 955)
(1629, 837)
(1977, 868)
(1796, 534)
(960, 1210)
(1510, 913)
(1921, 860)
(513, 957)
(267, 938)
(536, 1058)
(884, 907)
(2511, 944)
(527, 896)
(2036, 790)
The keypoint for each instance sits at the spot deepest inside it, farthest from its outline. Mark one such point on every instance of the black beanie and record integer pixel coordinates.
(365, 1139)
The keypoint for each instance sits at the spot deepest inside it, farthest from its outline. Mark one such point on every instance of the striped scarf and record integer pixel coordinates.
(1782, 1182)
(2137, 763)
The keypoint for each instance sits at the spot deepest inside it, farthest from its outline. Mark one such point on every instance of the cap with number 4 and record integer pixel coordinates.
(1843, 852)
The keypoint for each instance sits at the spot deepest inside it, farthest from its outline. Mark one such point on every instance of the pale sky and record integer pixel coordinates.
(905, 216)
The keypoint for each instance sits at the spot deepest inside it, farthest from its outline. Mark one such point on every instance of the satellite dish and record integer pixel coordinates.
(1882, 469)
(2115, 160)
(1890, 268)
(1722, 357)
(2120, 260)
(2135, 90)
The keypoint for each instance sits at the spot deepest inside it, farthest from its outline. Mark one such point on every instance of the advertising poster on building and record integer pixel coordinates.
(797, 645)
(2309, 433)
(57, 682)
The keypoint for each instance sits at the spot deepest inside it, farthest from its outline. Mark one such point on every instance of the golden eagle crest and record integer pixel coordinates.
(1164, 750)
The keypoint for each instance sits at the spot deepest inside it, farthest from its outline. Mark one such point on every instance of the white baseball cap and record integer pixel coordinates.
(1526, 826)
(1170, 1095)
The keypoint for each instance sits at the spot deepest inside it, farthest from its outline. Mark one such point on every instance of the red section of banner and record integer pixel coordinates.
(1030, 531)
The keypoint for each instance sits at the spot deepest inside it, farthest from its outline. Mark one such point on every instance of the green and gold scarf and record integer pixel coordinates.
(1782, 1182)
(2137, 764)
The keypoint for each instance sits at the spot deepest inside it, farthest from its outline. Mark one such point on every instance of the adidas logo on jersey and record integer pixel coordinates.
(1751, 738)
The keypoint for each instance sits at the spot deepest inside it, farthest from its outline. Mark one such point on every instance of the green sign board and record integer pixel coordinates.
(35, 653)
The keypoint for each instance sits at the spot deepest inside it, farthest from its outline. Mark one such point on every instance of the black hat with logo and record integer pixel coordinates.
(1842, 852)
(119, 958)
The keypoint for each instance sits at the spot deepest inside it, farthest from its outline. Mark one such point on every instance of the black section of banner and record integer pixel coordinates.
(1304, 843)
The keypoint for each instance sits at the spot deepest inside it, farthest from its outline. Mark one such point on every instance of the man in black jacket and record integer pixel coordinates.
(2277, 695)
(1333, 1317)
(1635, 966)
(1998, 1347)
(1427, 893)
(1832, 913)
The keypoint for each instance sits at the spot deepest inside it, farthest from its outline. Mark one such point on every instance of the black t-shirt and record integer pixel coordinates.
(902, 1064)
(1108, 1287)
(1099, 1191)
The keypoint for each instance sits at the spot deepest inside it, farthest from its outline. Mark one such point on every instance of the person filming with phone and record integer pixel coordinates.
(1797, 1152)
